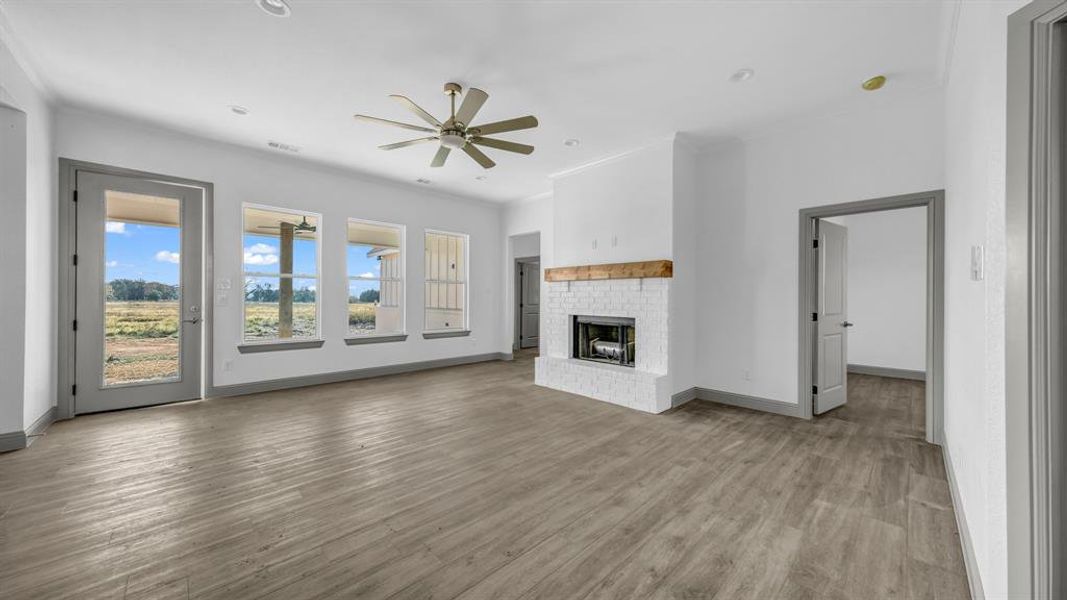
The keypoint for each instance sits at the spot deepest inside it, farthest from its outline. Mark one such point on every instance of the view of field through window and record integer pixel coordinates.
(375, 281)
(280, 275)
(141, 271)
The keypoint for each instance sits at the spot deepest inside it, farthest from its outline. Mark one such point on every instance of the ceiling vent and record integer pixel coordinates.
(283, 147)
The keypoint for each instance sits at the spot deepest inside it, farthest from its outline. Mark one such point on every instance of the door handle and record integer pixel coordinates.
(192, 321)
(847, 324)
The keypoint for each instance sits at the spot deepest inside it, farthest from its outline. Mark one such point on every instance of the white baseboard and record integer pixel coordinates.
(17, 440)
(887, 372)
(970, 561)
(740, 400)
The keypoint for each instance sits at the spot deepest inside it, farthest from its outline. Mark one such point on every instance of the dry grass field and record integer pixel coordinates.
(142, 337)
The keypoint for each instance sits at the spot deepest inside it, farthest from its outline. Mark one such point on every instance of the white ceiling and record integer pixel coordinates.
(615, 75)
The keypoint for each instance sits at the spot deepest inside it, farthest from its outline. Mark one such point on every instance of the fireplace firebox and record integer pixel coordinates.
(605, 339)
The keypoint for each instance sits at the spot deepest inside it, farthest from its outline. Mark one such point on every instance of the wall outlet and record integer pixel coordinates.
(222, 291)
(977, 263)
(227, 366)
(594, 244)
(747, 375)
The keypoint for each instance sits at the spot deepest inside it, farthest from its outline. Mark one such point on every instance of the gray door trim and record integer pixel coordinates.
(66, 237)
(934, 201)
(516, 342)
(1035, 415)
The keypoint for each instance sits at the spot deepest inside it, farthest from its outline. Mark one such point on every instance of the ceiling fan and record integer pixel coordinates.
(457, 131)
(298, 228)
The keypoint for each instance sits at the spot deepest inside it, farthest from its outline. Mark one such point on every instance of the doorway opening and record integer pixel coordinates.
(825, 361)
(528, 302)
(133, 250)
(524, 301)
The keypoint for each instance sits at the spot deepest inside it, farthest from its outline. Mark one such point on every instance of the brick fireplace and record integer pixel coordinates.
(606, 295)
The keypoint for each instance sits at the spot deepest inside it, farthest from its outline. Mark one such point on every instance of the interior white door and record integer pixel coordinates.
(137, 316)
(831, 371)
(530, 304)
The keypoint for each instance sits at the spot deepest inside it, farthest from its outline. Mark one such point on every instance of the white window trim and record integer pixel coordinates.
(466, 286)
(403, 281)
(282, 342)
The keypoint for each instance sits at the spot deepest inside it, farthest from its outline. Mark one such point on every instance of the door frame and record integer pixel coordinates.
(934, 201)
(67, 275)
(1035, 419)
(516, 343)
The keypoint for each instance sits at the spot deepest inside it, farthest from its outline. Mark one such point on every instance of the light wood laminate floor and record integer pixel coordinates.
(470, 482)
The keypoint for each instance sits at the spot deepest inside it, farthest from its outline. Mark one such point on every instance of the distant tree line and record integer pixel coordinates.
(139, 290)
(266, 292)
(366, 297)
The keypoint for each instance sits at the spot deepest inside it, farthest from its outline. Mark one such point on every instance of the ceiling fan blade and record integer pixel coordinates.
(479, 156)
(439, 158)
(503, 145)
(408, 143)
(526, 122)
(394, 123)
(472, 102)
(415, 108)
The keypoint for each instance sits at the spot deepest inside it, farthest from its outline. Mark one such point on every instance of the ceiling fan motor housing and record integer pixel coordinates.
(453, 139)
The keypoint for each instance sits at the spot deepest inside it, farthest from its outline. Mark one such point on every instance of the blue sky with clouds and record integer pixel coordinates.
(149, 252)
(152, 253)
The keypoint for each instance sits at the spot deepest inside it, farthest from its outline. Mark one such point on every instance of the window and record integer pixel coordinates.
(281, 274)
(446, 282)
(375, 278)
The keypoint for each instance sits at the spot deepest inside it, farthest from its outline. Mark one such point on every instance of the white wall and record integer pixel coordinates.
(242, 175)
(621, 206)
(752, 190)
(683, 286)
(887, 289)
(975, 126)
(29, 395)
(526, 245)
(13, 250)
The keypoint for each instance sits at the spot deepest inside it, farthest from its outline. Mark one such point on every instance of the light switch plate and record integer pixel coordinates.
(977, 263)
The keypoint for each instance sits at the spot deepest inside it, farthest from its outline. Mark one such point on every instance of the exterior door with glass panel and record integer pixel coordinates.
(138, 314)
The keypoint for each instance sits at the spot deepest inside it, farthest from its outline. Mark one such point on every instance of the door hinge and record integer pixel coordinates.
(814, 243)
(75, 324)
(75, 197)
(74, 390)
(814, 389)
(814, 316)
(75, 260)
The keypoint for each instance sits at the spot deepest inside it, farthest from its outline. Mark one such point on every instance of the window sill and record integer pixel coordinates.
(376, 339)
(253, 347)
(433, 335)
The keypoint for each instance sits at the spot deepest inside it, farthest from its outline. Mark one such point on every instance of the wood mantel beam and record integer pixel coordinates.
(629, 270)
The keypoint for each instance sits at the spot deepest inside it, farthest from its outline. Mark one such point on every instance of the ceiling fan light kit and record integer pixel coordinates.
(456, 132)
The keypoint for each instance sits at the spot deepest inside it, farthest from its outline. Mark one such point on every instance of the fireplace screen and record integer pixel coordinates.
(605, 339)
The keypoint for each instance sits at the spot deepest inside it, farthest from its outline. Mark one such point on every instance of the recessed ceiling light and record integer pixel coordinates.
(274, 8)
(572, 142)
(874, 83)
(237, 109)
(742, 75)
(422, 181)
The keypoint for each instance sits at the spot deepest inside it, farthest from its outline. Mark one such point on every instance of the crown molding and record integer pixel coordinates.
(612, 157)
(10, 41)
